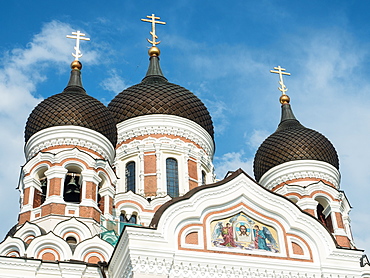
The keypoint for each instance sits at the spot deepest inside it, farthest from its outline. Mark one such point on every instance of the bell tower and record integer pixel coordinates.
(68, 184)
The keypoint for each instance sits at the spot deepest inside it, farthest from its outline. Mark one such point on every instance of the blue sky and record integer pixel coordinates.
(220, 51)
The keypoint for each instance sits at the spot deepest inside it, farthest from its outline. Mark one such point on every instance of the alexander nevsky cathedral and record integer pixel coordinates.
(129, 190)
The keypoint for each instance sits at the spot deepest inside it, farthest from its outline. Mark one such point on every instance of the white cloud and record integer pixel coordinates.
(256, 138)
(21, 71)
(114, 83)
(231, 162)
(218, 111)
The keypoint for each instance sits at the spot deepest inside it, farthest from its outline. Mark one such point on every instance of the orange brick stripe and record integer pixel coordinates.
(138, 204)
(12, 253)
(311, 195)
(49, 256)
(67, 234)
(73, 146)
(299, 180)
(93, 257)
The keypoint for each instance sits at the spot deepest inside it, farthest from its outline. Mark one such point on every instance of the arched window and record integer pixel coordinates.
(40, 195)
(130, 176)
(72, 188)
(172, 177)
(132, 219)
(71, 240)
(123, 219)
(323, 219)
(203, 177)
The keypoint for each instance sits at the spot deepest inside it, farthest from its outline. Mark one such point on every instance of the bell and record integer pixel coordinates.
(43, 183)
(72, 187)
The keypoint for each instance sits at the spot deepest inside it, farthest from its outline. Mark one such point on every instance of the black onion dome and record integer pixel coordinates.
(292, 141)
(72, 107)
(155, 95)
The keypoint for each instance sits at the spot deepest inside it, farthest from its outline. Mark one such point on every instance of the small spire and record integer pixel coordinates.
(154, 73)
(288, 119)
(75, 82)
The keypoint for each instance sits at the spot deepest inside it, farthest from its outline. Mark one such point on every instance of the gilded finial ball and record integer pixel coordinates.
(76, 65)
(154, 51)
(284, 99)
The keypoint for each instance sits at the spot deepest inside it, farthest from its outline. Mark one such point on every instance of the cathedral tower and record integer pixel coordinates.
(165, 142)
(302, 164)
(67, 183)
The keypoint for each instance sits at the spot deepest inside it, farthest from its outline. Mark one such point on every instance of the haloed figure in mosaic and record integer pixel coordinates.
(228, 236)
(260, 239)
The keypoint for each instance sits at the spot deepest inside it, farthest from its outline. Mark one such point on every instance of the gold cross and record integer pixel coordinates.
(279, 70)
(153, 21)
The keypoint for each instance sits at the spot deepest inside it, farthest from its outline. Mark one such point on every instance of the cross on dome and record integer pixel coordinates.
(279, 70)
(77, 36)
(153, 21)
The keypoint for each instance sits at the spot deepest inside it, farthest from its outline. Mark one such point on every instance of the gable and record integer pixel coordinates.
(234, 224)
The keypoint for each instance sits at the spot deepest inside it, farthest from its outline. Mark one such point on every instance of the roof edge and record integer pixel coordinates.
(189, 194)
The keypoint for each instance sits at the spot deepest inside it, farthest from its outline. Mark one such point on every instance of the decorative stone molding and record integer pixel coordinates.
(93, 245)
(300, 169)
(30, 268)
(165, 124)
(27, 230)
(69, 136)
(49, 241)
(75, 226)
(160, 267)
(152, 266)
(12, 245)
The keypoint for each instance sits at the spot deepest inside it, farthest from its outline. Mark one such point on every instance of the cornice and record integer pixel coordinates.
(69, 135)
(299, 169)
(166, 124)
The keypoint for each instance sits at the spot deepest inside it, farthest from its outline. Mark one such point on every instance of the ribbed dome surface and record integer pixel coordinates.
(72, 108)
(292, 141)
(157, 96)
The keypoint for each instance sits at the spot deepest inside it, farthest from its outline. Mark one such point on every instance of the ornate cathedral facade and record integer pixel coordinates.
(129, 190)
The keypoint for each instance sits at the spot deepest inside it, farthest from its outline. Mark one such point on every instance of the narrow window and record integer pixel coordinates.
(40, 196)
(130, 176)
(132, 219)
(172, 177)
(44, 183)
(203, 177)
(326, 221)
